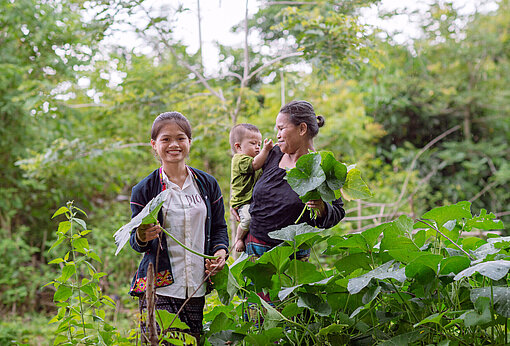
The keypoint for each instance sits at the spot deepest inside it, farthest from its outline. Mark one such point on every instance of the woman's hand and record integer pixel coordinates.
(147, 232)
(235, 214)
(318, 205)
(215, 265)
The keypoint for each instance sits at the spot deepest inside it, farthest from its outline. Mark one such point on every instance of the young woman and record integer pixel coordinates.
(193, 213)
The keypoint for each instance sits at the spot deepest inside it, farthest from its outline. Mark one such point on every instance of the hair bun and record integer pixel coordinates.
(320, 120)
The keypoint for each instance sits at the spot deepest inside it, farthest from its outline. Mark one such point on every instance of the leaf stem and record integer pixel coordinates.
(70, 206)
(300, 215)
(187, 248)
(444, 235)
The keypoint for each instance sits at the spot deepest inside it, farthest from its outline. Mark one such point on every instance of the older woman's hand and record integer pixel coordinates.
(318, 205)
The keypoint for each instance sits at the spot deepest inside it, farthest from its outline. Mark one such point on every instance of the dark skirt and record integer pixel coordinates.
(191, 314)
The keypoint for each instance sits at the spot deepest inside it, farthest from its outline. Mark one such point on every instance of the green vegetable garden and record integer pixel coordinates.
(415, 142)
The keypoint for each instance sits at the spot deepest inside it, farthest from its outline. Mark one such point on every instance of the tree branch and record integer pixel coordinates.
(271, 62)
(415, 159)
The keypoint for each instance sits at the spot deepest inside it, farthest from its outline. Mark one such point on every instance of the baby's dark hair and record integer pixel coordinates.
(237, 133)
(176, 117)
(300, 111)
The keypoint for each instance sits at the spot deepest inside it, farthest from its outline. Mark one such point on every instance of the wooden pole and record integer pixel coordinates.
(150, 295)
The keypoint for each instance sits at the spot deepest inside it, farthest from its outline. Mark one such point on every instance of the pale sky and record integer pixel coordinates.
(218, 16)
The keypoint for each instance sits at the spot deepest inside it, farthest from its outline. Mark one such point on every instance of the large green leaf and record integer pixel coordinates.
(386, 271)
(354, 186)
(226, 285)
(481, 313)
(335, 171)
(314, 303)
(484, 221)
(350, 263)
(278, 256)
(62, 293)
(423, 265)
(500, 297)
(453, 264)
(443, 214)
(303, 272)
(289, 233)
(165, 318)
(147, 215)
(307, 175)
(495, 270)
(490, 247)
(260, 274)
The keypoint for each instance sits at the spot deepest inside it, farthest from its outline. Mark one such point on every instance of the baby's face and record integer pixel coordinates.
(250, 144)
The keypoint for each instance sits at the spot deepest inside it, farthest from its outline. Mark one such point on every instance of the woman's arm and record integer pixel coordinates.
(332, 214)
(137, 204)
(219, 232)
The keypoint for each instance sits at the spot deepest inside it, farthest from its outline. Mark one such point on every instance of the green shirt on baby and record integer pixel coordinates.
(243, 178)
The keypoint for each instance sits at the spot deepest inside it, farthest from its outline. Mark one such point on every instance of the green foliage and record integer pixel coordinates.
(400, 282)
(321, 176)
(81, 305)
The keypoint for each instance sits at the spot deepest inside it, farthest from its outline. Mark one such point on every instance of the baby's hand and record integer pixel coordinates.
(268, 144)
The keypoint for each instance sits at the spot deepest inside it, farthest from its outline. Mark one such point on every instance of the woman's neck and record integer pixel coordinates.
(289, 159)
(177, 173)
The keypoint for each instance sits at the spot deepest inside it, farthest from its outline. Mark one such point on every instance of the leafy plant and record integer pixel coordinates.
(81, 305)
(319, 175)
(401, 282)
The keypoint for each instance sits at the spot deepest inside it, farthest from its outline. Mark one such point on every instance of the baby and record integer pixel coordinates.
(245, 141)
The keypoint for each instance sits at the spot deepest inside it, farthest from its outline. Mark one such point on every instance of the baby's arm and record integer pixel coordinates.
(258, 161)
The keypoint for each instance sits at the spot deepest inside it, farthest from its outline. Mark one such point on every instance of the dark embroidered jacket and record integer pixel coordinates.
(216, 235)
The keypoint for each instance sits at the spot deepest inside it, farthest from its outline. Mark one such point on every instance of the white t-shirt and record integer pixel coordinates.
(184, 214)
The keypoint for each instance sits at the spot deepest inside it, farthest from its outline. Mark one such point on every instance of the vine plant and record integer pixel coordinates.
(402, 282)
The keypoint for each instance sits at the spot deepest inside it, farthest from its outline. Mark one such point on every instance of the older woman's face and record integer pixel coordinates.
(288, 134)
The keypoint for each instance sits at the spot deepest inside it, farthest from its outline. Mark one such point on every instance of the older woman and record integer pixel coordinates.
(274, 204)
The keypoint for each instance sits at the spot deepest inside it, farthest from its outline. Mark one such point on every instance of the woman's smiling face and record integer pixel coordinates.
(288, 134)
(172, 144)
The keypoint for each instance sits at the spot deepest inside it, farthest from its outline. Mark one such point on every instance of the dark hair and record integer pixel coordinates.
(300, 111)
(237, 133)
(176, 117)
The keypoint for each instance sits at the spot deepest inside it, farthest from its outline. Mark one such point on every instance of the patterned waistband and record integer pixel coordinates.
(251, 239)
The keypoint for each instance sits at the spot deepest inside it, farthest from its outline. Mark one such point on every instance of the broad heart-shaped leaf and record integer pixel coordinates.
(355, 187)
(494, 270)
(484, 221)
(310, 195)
(500, 295)
(480, 315)
(489, 248)
(260, 274)
(422, 264)
(225, 337)
(440, 215)
(326, 193)
(278, 256)
(289, 233)
(307, 175)
(124, 233)
(453, 264)
(303, 272)
(385, 271)
(164, 318)
(335, 171)
(226, 285)
(314, 303)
